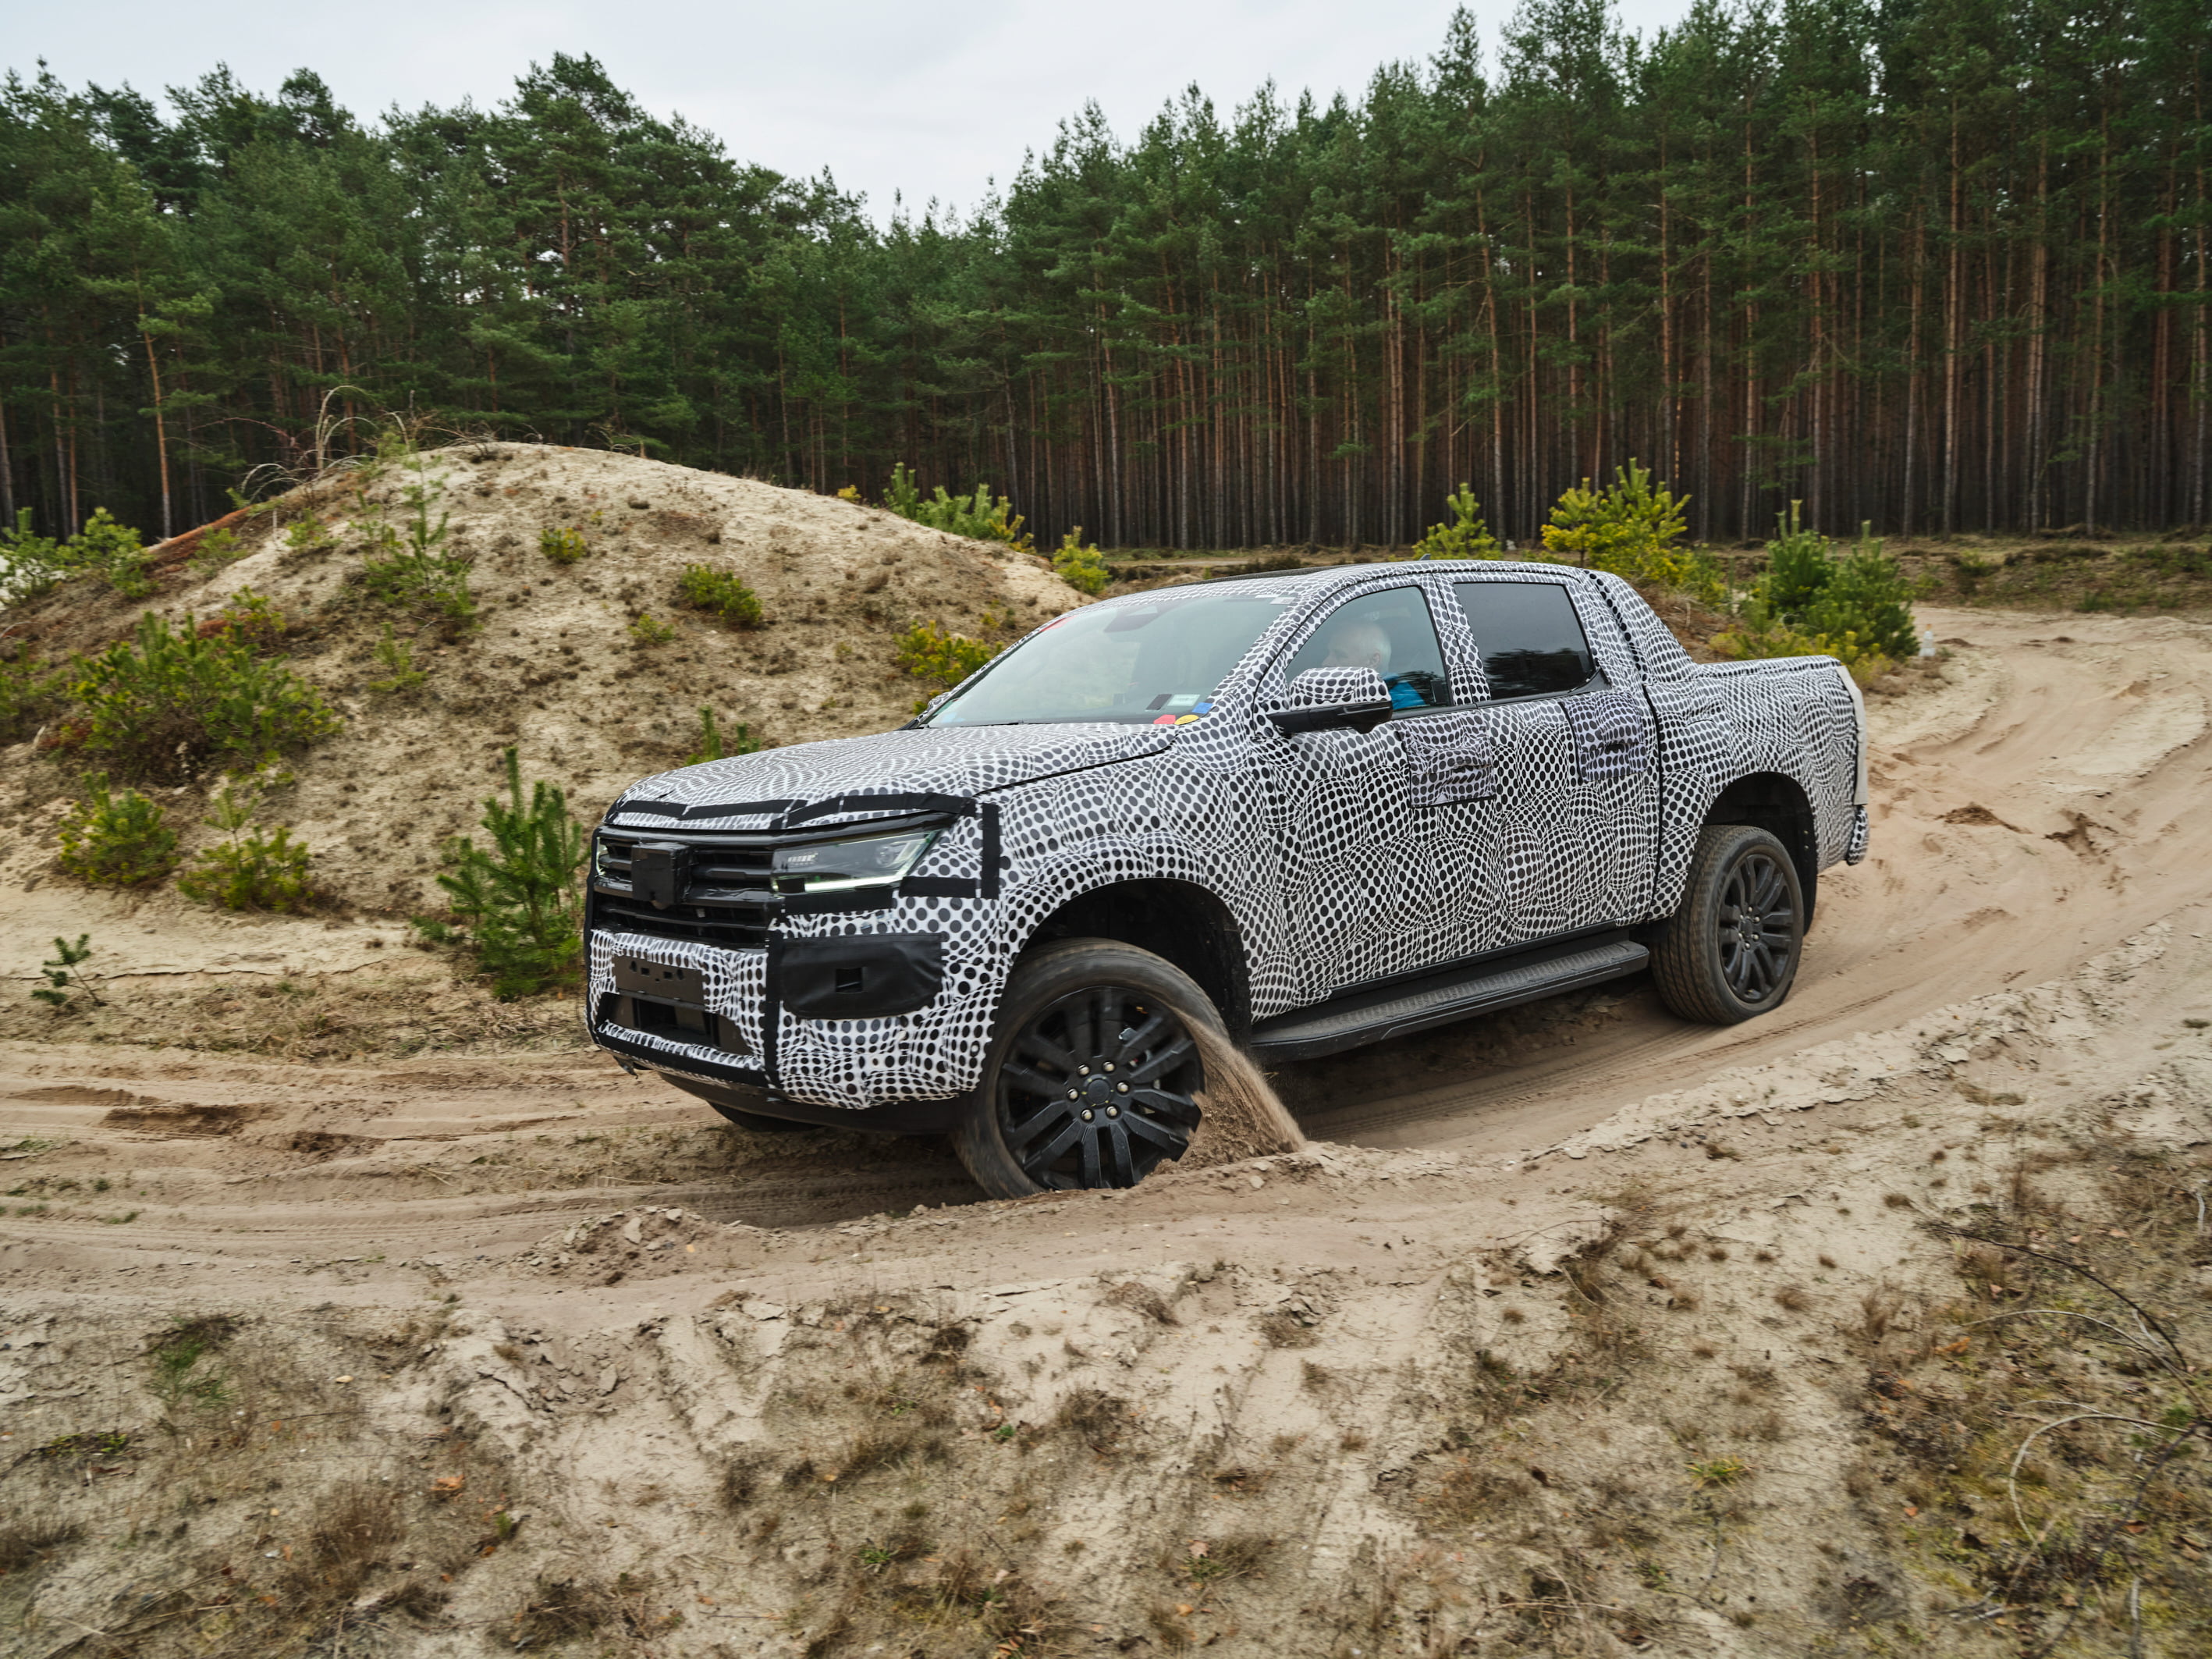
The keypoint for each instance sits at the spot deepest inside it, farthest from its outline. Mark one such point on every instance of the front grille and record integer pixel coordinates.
(727, 901)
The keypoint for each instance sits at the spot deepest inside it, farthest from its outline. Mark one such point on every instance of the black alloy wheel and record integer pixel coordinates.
(1731, 951)
(1099, 1089)
(1093, 1074)
(1755, 926)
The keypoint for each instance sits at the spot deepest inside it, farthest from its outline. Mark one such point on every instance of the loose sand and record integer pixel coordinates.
(1575, 1330)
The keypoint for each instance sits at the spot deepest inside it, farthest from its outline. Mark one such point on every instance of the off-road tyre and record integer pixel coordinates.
(1135, 1071)
(1732, 949)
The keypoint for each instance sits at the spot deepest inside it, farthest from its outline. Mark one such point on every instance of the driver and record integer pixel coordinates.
(1361, 644)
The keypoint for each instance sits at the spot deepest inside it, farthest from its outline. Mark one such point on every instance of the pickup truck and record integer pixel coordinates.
(1298, 812)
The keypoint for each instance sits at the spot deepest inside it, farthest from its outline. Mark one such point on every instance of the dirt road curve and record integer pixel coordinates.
(2044, 803)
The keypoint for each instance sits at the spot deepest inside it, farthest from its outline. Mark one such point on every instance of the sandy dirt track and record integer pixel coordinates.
(2046, 802)
(621, 1285)
(2042, 804)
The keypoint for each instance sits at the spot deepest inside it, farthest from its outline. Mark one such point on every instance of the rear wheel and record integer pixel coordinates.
(1731, 951)
(1092, 1074)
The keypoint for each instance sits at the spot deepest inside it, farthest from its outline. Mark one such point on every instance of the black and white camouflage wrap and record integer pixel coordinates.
(1343, 857)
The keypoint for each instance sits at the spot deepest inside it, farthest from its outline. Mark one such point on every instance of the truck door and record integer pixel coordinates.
(1371, 872)
(1570, 826)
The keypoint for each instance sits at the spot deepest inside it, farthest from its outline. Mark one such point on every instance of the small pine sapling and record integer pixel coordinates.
(982, 517)
(398, 661)
(164, 702)
(112, 552)
(116, 839)
(1082, 568)
(702, 587)
(306, 537)
(1631, 528)
(29, 691)
(648, 632)
(248, 619)
(1467, 537)
(713, 746)
(563, 544)
(518, 903)
(415, 566)
(63, 977)
(254, 869)
(928, 652)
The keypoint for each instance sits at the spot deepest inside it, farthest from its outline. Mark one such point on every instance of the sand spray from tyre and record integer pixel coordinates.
(1243, 1117)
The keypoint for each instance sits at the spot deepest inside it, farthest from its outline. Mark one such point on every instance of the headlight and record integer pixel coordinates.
(834, 867)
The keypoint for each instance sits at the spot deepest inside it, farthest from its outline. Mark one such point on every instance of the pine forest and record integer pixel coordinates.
(1938, 264)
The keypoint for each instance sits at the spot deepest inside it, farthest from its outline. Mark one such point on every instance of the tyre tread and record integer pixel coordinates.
(1683, 965)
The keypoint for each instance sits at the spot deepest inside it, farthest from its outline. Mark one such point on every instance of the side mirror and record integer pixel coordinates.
(1333, 698)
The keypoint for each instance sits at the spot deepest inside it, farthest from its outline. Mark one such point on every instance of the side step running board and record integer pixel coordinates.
(1309, 1033)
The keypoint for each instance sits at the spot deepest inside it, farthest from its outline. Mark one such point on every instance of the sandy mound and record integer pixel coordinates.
(555, 669)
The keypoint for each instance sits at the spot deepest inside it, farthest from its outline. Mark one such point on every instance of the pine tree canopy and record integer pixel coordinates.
(1937, 266)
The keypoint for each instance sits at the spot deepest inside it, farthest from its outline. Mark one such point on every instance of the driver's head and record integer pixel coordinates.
(1358, 645)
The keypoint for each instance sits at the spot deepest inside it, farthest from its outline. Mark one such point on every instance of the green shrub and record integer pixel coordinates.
(928, 652)
(32, 564)
(117, 841)
(165, 702)
(702, 587)
(563, 544)
(648, 633)
(1797, 565)
(712, 745)
(411, 564)
(1758, 632)
(257, 871)
(980, 517)
(248, 619)
(307, 536)
(1081, 567)
(29, 691)
(1467, 537)
(398, 661)
(518, 903)
(1868, 596)
(253, 869)
(112, 552)
(1863, 595)
(1631, 529)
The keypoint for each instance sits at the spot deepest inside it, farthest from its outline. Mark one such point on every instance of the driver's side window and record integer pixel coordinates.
(1390, 632)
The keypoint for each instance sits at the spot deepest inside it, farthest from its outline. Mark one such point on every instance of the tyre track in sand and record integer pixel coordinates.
(2043, 804)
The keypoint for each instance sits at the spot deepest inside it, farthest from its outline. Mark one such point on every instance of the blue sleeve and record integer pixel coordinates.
(1403, 696)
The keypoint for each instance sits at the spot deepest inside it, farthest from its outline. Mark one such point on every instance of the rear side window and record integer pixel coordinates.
(1530, 639)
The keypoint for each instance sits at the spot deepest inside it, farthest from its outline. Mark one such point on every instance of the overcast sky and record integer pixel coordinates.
(926, 98)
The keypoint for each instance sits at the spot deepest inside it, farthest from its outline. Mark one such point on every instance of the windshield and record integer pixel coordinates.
(1150, 659)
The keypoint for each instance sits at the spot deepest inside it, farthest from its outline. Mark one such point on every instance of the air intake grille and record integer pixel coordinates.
(727, 898)
(726, 901)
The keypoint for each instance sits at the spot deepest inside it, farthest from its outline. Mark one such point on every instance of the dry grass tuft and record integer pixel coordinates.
(1795, 1298)
(562, 1610)
(25, 1541)
(1878, 1311)
(1094, 1417)
(1143, 1299)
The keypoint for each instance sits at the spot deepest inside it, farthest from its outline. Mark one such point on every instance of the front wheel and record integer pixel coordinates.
(1093, 1072)
(1731, 951)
